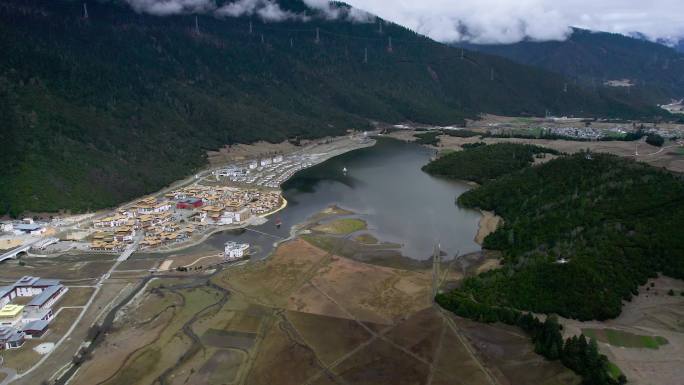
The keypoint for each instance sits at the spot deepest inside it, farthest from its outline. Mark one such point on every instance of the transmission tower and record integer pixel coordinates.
(389, 44)
(462, 53)
(85, 10)
(318, 36)
(565, 87)
(380, 26)
(291, 42)
(491, 74)
(262, 39)
(365, 55)
(197, 31)
(250, 27)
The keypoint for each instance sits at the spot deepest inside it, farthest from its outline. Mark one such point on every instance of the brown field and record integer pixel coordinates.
(289, 267)
(160, 345)
(67, 268)
(76, 296)
(194, 260)
(139, 264)
(329, 337)
(307, 316)
(510, 354)
(60, 325)
(652, 313)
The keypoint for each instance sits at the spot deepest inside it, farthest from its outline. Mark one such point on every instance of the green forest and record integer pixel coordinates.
(479, 163)
(96, 111)
(581, 233)
(615, 221)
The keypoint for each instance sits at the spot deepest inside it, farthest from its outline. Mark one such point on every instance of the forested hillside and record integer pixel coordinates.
(581, 234)
(591, 58)
(486, 162)
(100, 109)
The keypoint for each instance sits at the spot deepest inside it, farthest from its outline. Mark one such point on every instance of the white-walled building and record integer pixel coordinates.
(235, 250)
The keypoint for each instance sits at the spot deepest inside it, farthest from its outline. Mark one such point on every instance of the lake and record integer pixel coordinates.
(385, 186)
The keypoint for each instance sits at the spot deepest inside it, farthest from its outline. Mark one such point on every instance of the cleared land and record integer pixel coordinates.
(672, 158)
(488, 224)
(304, 316)
(646, 322)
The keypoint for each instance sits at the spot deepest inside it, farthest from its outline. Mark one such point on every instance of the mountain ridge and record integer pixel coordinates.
(592, 58)
(103, 109)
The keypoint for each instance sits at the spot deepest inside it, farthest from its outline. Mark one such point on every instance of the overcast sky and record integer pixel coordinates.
(504, 21)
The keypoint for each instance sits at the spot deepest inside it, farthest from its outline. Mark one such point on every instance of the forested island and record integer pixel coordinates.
(581, 233)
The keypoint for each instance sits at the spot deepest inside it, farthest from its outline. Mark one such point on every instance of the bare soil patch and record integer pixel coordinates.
(282, 359)
(382, 363)
(509, 351)
(374, 293)
(487, 225)
(330, 337)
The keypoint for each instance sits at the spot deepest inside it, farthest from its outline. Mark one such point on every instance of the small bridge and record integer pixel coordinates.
(12, 254)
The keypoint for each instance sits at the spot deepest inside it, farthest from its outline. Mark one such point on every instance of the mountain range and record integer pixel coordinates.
(99, 109)
(653, 71)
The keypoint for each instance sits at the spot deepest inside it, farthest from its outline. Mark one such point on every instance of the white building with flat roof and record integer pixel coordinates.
(235, 250)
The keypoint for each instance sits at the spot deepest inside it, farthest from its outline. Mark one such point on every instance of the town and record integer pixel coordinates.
(177, 215)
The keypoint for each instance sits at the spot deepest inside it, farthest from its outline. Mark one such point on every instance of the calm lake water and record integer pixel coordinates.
(385, 186)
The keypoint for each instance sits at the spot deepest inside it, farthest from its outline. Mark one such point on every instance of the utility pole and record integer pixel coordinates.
(491, 74)
(380, 26)
(365, 55)
(85, 10)
(462, 53)
(389, 44)
(262, 38)
(565, 87)
(250, 27)
(318, 36)
(197, 31)
(291, 42)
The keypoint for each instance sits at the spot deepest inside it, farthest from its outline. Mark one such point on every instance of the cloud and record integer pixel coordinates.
(331, 11)
(267, 10)
(171, 7)
(507, 21)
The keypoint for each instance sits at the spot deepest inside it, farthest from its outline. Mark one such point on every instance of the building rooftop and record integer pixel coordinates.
(26, 280)
(46, 282)
(27, 227)
(43, 297)
(10, 311)
(36, 325)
